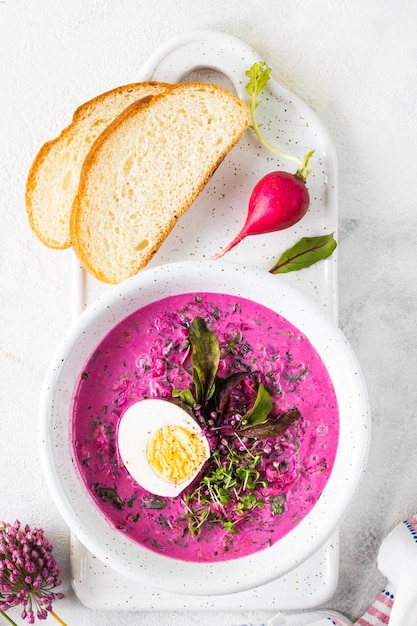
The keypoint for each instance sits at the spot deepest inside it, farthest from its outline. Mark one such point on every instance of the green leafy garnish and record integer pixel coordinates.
(153, 502)
(306, 252)
(271, 427)
(224, 387)
(211, 393)
(205, 359)
(232, 482)
(278, 504)
(235, 478)
(260, 410)
(186, 397)
(259, 75)
(108, 494)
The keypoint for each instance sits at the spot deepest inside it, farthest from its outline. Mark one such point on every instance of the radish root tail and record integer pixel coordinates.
(229, 247)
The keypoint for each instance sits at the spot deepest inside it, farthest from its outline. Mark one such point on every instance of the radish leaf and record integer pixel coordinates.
(259, 75)
(306, 252)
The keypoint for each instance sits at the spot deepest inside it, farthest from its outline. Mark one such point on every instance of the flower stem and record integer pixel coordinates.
(9, 619)
(58, 619)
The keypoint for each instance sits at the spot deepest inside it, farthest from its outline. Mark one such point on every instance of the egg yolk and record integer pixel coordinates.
(175, 453)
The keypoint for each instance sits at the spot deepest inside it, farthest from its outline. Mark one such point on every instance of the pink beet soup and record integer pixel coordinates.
(147, 355)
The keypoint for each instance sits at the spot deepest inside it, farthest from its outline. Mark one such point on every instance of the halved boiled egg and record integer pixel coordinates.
(161, 446)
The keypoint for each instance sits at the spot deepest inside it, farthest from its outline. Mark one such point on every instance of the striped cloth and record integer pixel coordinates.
(379, 613)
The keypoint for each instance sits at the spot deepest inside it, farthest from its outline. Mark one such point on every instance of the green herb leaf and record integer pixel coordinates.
(108, 494)
(259, 75)
(205, 359)
(278, 504)
(186, 397)
(272, 427)
(306, 252)
(224, 387)
(131, 501)
(260, 410)
(232, 479)
(153, 502)
(162, 521)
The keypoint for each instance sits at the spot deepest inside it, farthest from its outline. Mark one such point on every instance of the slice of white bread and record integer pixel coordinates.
(53, 179)
(144, 172)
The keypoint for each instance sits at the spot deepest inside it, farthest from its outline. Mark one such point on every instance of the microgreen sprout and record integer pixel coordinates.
(231, 478)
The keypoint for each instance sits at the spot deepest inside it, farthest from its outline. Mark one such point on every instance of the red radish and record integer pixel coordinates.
(279, 200)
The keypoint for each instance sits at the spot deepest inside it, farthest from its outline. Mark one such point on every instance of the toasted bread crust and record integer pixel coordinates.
(111, 244)
(53, 178)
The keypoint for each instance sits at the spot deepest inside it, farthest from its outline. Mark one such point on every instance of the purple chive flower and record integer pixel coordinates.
(28, 572)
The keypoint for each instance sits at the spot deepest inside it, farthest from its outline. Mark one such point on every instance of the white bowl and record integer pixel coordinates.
(75, 504)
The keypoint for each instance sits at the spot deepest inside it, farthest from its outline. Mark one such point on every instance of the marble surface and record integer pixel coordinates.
(354, 62)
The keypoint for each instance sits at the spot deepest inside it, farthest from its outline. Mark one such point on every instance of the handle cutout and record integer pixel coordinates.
(209, 75)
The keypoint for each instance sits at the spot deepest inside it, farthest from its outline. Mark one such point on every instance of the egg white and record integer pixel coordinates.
(137, 426)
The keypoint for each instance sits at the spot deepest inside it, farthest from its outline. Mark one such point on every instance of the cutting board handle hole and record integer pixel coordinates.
(209, 75)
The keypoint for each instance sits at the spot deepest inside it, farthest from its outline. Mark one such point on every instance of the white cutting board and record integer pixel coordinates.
(212, 221)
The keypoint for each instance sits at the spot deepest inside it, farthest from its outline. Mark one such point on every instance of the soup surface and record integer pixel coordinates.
(272, 423)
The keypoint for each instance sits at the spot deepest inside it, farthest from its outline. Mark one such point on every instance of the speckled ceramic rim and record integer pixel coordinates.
(115, 549)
